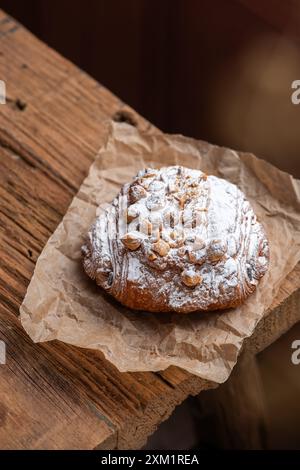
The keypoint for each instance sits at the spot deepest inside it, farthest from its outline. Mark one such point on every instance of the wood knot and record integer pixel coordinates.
(124, 116)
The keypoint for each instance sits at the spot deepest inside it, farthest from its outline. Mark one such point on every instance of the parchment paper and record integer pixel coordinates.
(63, 303)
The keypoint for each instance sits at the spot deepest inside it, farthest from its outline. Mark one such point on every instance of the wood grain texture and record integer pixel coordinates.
(162, 58)
(54, 395)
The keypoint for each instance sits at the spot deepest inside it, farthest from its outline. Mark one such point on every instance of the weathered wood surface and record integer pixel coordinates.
(54, 395)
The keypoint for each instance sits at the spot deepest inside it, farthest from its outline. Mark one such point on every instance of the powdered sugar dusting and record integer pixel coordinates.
(176, 239)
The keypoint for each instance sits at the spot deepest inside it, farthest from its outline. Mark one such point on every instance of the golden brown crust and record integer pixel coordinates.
(177, 240)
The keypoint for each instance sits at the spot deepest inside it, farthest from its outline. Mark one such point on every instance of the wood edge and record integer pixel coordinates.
(134, 435)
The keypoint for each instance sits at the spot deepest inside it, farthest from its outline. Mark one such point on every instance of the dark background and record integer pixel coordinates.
(219, 70)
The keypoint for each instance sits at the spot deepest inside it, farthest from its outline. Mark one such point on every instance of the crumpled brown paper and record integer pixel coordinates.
(63, 303)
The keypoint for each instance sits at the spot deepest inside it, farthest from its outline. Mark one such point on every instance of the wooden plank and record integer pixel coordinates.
(54, 395)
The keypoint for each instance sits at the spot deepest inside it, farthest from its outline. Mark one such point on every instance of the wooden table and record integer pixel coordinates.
(54, 395)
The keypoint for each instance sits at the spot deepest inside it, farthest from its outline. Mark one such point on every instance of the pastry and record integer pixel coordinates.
(175, 239)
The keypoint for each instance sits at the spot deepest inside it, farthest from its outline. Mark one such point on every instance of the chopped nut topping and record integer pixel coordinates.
(176, 243)
(146, 227)
(149, 172)
(152, 256)
(173, 234)
(197, 256)
(161, 247)
(132, 213)
(191, 278)
(132, 240)
(136, 192)
(216, 250)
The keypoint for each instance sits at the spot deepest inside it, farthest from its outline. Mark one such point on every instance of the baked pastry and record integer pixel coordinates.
(175, 239)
